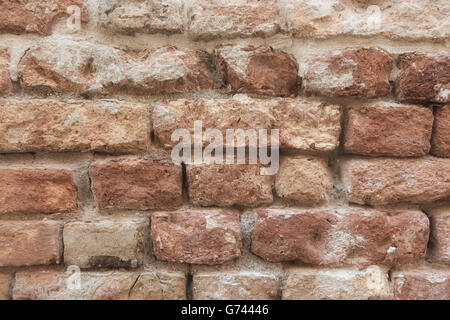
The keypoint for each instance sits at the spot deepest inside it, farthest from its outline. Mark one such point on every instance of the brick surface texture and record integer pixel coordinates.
(224, 150)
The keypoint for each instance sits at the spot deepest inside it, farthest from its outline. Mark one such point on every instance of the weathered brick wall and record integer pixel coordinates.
(359, 208)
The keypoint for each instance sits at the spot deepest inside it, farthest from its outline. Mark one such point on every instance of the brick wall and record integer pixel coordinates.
(359, 91)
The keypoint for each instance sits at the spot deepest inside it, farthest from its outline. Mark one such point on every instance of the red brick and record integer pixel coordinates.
(362, 73)
(340, 236)
(421, 284)
(225, 185)
(67, 66)
(35, 16)
(5, 79)
(385, 129)
(439, 246)
(381, 181)
(137, 184)
(197, 236)
(5, 285)
(440, 144)
(423, 78)
(262, 70)
(30, 243)
(31, 190)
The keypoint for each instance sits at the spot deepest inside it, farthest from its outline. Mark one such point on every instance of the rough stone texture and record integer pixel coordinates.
(361, 72)
(421, 284)
(150, 16)
(304, 180)
(336, 284)
(67, 66)
(225, 185)
(388, 129)
(74, 125)
(408, 20)
(439, 246)
(381, 181)
(114, 285)
(423, 78)
(137, 184)
(210, 19)
(159, 286)
(440, 144)
(197, 236)
(5, 80)
(235, 286)
(302, 125)
(220, 114)
(5, 283)
(35, 16)
(340, 236)
(112, 244)
(262, 70)
(32, 190)
(29, 243)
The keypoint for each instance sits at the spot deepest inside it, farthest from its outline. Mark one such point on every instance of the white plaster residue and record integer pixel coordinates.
(212, 224)
(237, 59)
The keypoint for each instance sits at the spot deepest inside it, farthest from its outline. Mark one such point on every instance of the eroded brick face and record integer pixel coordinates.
(197, 236)
(439, 245)
(421, 284)
(5, 80)
(30, 190)
(329, 236)
(136, 184)
(440, 144)
(30, 243)
(35, 16)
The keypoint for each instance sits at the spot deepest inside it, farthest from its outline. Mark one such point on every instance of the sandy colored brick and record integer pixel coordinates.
(136, 184)
(35, 16)
(439, 246)
(107, 243)
(301, 125)
(225, 185)
(68, 66)
(340, 236)
(381, 181)
(336, 284)
(33, 190)
(159, 285)
(5, 285)
(30, 243)
(352, 72)
(197, 236)
(304, 180)
(440, 143)
(423, 78)
(388, 129)
(125, 16)
(211, 19)
(243, 285)
(392, 19)
(5, 79)
(74, 125)
(260, 70)
(421, 284)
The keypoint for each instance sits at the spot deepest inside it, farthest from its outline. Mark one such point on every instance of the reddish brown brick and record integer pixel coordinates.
(5, 79)
(440, 144)
(225, 185)
(381, 181)
(35, 16)
(423, 78)
(30, 243)
(31, 190)
(5, 285)
(387, 129)
(362, 72)
(261, 70)
(340, 236)
(197, 236)
(421, 284)
(137, 184)
(439, 246)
